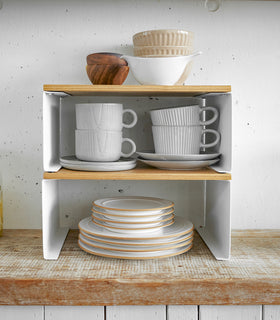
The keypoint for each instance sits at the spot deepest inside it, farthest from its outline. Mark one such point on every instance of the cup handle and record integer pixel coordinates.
(213, 119)
(125, 155)
(133, 123)
(212, 144)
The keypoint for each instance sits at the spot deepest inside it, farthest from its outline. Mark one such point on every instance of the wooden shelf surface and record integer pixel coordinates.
(136, 90)
(139, 173)
(251, 276)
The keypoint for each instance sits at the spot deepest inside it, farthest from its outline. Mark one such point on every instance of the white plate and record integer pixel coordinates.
(133, 218)
(134, 255)
(133, 223)
(180, 165)
(139, 243)
(127, 230)
(135, 204)
(71, 162)
(180, 227)
(172, 157)
(115, 247)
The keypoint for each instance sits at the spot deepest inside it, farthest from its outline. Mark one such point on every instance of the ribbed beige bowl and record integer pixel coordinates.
(164, 37)
(158, 51)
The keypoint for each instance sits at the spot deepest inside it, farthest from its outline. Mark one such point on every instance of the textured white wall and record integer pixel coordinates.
(48, 41)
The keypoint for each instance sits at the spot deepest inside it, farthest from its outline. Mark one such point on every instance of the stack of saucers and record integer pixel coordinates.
(135, 228)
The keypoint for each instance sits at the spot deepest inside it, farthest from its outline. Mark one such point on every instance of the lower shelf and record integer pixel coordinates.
(252, 276)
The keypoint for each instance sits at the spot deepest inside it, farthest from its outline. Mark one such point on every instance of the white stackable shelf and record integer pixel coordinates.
(212, 222)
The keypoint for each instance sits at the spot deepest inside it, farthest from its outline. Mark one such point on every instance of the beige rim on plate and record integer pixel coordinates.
(133, 229)
(139, 238)
(135, 210)
(132, 258)
(136, 244)
(137, 250)
(125, 222)
(134, 216)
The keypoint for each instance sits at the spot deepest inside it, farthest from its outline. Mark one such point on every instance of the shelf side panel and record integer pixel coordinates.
(223, 102)
(53, 234)
(217, 230)
(51, 132)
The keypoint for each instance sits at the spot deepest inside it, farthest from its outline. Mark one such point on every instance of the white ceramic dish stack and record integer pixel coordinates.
(135, 227)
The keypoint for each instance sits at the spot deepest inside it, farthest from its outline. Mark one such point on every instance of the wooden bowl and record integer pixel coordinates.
(107, 73)
(106, 68)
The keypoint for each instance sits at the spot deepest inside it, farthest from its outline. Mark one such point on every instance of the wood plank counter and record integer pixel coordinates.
(251, 276)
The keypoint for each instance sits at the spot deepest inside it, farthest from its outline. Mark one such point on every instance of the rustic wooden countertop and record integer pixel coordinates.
(251, 276)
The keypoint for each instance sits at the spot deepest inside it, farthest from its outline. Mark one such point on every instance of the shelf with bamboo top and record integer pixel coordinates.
(136, 90)
(139, 173)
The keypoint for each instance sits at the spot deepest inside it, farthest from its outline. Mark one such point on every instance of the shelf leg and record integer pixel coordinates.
(53, 234)
(217, 230)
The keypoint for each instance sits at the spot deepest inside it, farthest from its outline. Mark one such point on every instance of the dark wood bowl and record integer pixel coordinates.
(107, 73)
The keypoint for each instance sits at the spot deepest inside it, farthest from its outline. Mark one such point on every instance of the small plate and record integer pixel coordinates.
(172, 157)
(133, 203)
(180, 165)
(71, 162)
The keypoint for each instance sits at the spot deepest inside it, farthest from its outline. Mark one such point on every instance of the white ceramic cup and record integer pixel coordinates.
(181, 140)
(101, 145)
(183, 116)
(104, 116)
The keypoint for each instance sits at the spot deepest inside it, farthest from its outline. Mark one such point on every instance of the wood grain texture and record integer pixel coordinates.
(139, 173)
(112, 74)
(136, 90)
(252, 276)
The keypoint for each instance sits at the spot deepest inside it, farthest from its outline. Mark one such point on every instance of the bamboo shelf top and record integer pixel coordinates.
(136, 90)
(139, 173)
(251, 276)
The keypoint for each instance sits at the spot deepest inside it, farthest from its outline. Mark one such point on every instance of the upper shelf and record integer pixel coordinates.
(136, 90)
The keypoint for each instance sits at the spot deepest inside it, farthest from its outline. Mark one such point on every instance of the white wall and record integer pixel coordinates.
(46, 42)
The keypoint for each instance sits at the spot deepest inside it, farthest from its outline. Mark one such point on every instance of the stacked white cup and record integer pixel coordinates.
(98, 134)
(179, 130)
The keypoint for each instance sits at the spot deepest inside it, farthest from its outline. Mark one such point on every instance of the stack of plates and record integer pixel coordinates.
(135, 228)
(179, 162)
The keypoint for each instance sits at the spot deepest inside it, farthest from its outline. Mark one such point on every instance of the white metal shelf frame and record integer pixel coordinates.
(213, 222)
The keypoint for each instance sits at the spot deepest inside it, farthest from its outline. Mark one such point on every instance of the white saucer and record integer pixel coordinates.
(134, 255)
(172, 157)
(180, 165)
(71, 162)
(181, 226)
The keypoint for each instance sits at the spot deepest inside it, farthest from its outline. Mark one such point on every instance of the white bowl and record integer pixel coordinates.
(159, 70)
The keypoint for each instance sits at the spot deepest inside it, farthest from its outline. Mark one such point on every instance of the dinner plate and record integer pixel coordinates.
(132, 223)
(115, 247)
(180, 165)
(71, 162)
(134, 255)
(138, 230)
(178, 157)
(133, 204)
(141, 243)
(181, 226)
(133, 218)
